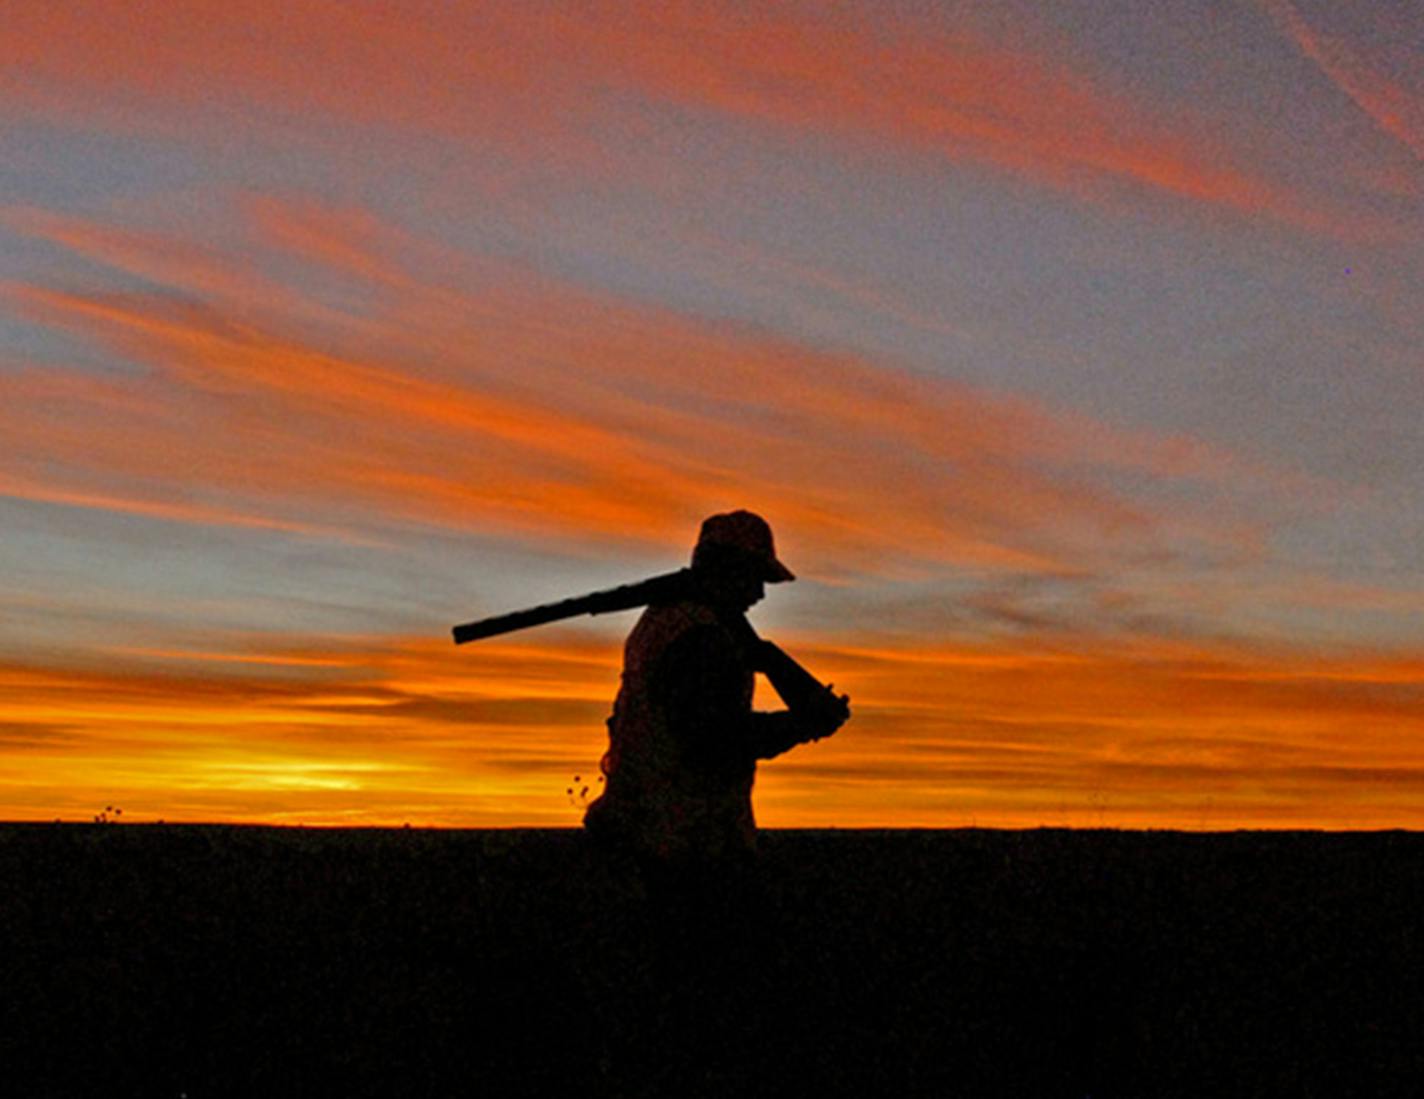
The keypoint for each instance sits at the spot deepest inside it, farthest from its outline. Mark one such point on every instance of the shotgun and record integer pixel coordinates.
(801, 690)
(667, 588)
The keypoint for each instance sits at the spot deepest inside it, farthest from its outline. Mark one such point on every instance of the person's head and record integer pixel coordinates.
(735, 557)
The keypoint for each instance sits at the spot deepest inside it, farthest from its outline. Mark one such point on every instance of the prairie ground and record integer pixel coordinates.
(194, 960)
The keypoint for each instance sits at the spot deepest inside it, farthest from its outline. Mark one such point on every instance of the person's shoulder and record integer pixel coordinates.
(703, 640)
(679, 617)
(671, 624)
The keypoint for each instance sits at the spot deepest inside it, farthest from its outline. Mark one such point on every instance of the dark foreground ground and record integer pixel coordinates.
(206, 961)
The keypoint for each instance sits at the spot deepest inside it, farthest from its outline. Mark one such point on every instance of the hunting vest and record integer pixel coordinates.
(656, 799)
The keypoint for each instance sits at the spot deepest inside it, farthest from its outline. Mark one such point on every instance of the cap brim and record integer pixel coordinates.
(777, 573)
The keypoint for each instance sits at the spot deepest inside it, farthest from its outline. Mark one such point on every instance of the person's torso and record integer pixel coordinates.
(655, 788)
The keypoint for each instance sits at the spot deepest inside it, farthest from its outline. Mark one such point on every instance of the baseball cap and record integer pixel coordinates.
(746, 534)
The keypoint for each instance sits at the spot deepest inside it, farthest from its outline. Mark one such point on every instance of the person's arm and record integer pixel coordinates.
(704, 678)
(702, 684)
(776, 732)
(814, 709)
(816, 704)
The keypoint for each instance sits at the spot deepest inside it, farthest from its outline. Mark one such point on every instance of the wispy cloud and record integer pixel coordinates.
(1145, 731)
(370, 730)
(958, 97)
(1151, 732)
(487, 74)
(1394, 107)
(501, 403)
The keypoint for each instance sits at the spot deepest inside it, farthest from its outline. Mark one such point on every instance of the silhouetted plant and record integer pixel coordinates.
(579, 792)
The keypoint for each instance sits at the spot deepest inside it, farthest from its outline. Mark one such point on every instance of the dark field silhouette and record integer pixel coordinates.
(204, 960)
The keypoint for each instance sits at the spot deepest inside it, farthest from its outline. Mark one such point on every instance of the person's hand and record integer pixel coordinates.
(830, 712)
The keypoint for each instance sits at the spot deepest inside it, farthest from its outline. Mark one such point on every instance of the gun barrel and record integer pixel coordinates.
(656, 589)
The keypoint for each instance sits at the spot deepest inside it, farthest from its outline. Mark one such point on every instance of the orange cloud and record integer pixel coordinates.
(1143, 733)
(530, 410)
(544, 83)
(957, 97)
(1146, 733)
(364, 732)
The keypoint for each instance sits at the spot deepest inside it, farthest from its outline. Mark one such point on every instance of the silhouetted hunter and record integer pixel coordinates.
(684, 740)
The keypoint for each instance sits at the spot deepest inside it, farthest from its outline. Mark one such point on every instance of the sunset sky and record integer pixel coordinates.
(1074, 351)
